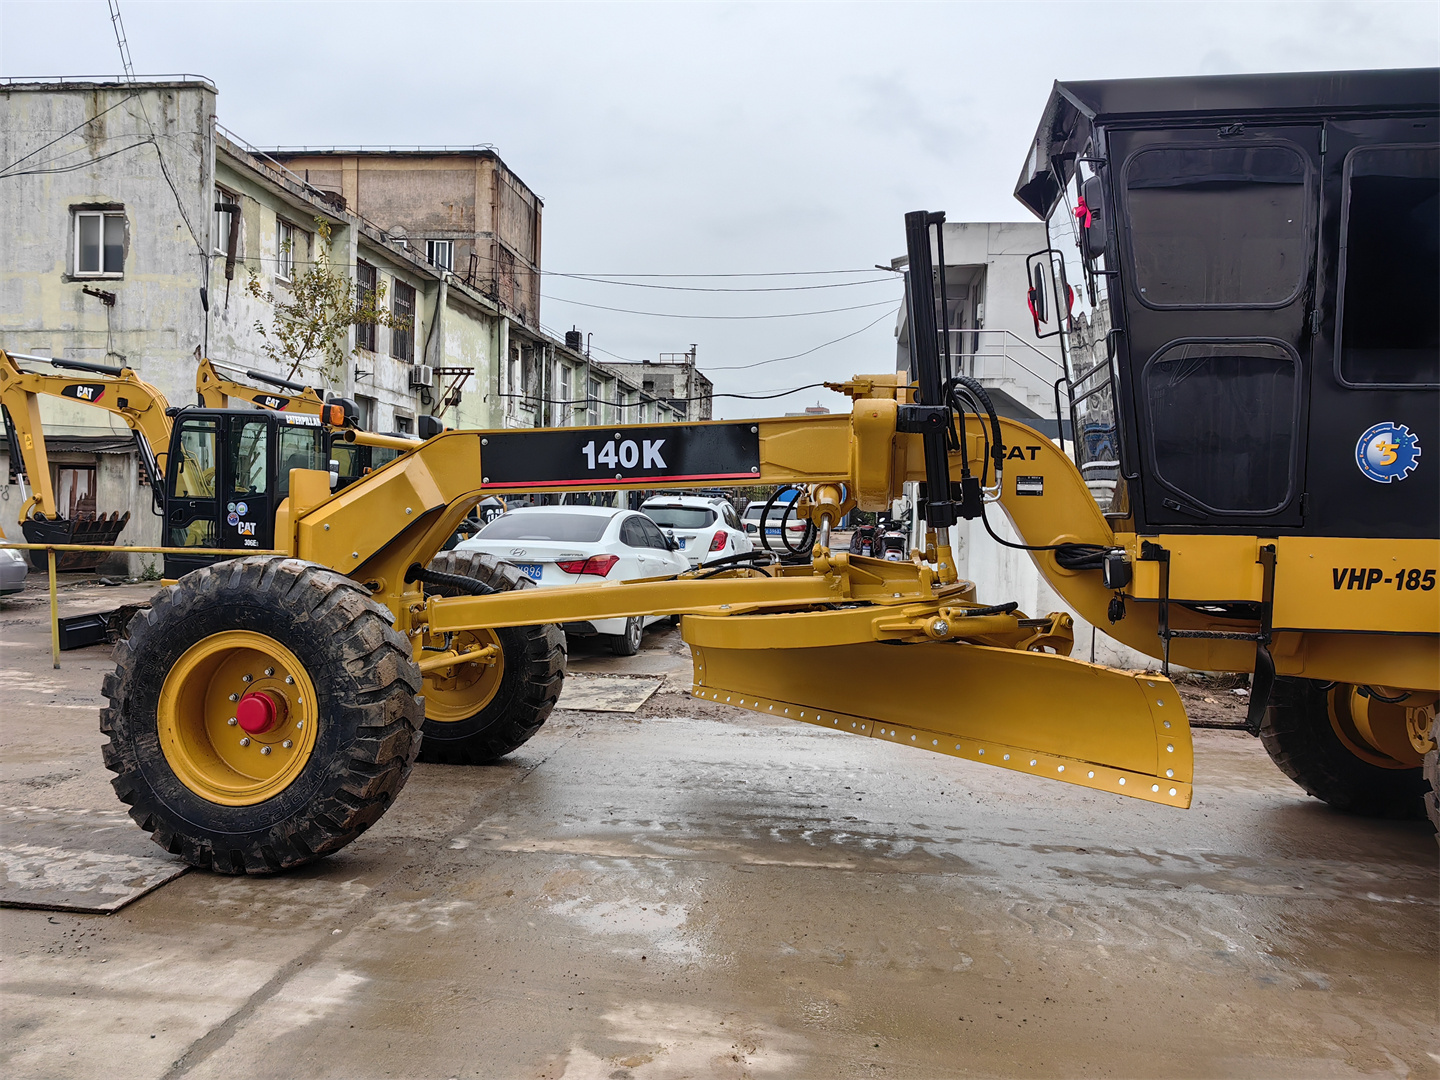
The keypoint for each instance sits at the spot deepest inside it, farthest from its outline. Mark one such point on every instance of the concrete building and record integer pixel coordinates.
(675, 379)
(112, 250)
(992, 338)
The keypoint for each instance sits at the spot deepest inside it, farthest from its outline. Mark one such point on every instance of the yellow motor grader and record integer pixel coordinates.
(265, 711)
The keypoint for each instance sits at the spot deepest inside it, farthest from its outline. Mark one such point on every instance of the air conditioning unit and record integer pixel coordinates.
(422, 375)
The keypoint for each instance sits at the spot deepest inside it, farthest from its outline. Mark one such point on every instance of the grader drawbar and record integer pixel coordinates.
(265, 711)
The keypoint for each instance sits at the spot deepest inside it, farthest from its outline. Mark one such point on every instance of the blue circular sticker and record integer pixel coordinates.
(232, 520)
(241, 509)
(1387, 452)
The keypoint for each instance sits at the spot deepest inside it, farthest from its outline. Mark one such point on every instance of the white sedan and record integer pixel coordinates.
(572, 545)
(705, 529)
(12, 570)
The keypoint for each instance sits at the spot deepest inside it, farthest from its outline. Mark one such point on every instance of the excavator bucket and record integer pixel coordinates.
(101, 530)
(1036, 713)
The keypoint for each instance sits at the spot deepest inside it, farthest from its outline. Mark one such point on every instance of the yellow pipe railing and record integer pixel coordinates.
(51, 549)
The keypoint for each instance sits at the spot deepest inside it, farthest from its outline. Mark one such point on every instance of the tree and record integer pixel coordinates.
(313, 325)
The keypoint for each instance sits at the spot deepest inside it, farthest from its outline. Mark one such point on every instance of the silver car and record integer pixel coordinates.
(12, 571)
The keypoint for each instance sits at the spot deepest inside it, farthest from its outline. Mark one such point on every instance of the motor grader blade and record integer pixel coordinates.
(1035, 713)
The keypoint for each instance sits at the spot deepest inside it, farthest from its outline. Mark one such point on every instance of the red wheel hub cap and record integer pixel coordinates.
(259, 712)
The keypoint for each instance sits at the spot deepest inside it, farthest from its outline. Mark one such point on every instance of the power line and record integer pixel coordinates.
(668, 315)
(708, 289)
(764, 396)
(796, 356)
(765, 273)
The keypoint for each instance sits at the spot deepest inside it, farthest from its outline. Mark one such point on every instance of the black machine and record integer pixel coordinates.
(1262, 257)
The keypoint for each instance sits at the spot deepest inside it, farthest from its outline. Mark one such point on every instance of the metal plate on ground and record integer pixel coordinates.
(93, 861)
(606, 693)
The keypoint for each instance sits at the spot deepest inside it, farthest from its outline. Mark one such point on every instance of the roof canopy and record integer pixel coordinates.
(1075, 108)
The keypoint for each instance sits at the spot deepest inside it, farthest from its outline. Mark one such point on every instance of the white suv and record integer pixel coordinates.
(704, 529)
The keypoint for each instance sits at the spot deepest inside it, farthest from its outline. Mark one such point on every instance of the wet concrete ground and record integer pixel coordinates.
(696, 891)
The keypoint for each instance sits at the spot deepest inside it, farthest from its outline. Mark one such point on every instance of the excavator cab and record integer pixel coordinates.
(229, 470)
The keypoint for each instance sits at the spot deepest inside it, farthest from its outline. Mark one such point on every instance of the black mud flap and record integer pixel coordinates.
(1261, 683)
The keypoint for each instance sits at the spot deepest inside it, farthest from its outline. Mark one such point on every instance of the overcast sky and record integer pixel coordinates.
(709, 139)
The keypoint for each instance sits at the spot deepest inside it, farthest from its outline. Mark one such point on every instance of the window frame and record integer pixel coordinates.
(432, 246)
(1308, 224)
(285, 231)
(397, 335)
(103, 214)
(365, 333)
(1342, 260)
(219, 240)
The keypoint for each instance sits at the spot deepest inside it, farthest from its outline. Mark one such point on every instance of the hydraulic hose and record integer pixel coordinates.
(469, 585)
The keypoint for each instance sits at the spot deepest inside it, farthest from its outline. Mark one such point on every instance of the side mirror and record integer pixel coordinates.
(1045, 272)
(429, 426)
(1093, 221)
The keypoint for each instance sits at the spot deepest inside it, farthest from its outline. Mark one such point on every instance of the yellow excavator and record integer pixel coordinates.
(265, 711)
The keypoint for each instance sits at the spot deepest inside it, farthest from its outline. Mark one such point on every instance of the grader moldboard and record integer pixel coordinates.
(267, 710)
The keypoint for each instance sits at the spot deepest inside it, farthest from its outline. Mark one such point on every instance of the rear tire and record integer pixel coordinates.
(1431, 772)
(532, 673)
(628, 643)
(1299, 738)
(344, 734)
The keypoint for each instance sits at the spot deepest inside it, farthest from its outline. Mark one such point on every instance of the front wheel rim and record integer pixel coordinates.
(197, 718)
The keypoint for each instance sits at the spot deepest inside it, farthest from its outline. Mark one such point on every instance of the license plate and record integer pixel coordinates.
(772, 532)
(530, 569)
(682, 542)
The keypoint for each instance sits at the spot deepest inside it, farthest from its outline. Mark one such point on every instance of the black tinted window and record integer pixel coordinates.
(1222, 417)
(572, 528)
(1218, 226)
(650, 535)
(1390, 272)
(680, 517)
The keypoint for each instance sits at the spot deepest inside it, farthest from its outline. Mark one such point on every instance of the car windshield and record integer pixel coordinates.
(755, 510)
(542, 525)
(679, 517)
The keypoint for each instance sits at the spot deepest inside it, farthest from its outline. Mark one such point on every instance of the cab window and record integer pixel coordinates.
(300, 448)
(1390, 267)
(193, 475)
(249, 461)
(1218, 226)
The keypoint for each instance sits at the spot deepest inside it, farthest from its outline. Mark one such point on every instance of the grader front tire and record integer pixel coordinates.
(262, 714)
(476, 714)
(1301, 739)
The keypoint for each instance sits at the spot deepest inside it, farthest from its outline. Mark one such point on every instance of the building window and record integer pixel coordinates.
(75, 490)
(367, 410)
(402, 337)
(220, 235)
(99, 242)
(364, 294)
(441, 253)
(285, 237)
(404, 425)
(592, 408)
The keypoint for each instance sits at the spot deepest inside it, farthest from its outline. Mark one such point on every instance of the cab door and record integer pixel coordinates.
(248, 513)
(192, 518)
(1217, 229)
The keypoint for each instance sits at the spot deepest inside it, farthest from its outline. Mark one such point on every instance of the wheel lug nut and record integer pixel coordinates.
(232, 721)
(289, 681)
(269, 671)
(264, 749)
(287, 744)
(245, 740)
(245, 678)
(299, 723)
(234, 697)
